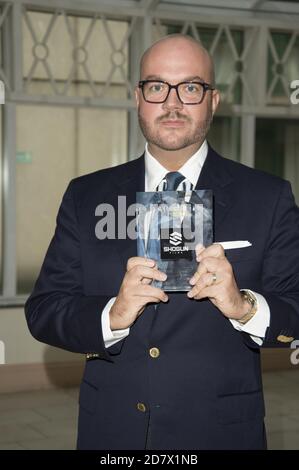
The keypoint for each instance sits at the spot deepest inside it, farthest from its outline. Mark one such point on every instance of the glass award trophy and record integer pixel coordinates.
(169, 226)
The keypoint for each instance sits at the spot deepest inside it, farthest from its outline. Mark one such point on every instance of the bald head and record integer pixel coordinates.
(174, 111)
(179, 44)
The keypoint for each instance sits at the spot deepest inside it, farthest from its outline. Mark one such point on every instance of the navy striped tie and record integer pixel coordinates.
(173, 180)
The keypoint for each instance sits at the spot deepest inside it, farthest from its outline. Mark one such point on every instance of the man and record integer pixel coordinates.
(172, 370)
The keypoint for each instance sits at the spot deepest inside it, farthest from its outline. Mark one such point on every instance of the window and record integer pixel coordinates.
(56, 144)
(224, 136)
(277, 149)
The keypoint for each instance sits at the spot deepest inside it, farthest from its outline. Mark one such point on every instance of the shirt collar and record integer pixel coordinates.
(155, 172)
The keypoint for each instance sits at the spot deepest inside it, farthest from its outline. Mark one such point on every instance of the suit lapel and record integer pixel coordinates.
(127, 182)
(214, 176)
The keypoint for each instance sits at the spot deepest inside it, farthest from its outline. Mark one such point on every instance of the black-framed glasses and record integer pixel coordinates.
(157, 91)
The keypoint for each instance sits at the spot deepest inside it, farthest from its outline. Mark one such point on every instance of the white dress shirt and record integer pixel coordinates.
(154, 174)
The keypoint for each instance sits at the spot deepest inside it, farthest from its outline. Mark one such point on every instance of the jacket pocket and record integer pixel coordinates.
(236, 408)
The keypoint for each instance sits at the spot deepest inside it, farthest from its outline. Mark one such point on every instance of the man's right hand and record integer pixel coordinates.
(135, 292)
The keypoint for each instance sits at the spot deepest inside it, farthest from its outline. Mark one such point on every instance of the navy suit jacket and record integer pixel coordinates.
(204, 391)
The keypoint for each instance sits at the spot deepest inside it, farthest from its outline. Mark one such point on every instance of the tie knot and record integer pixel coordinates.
(173, 179)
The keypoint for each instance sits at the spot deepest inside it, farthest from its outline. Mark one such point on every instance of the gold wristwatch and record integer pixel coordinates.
(252, 301)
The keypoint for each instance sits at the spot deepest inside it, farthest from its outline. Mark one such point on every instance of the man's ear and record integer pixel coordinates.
(215, 100)
(137, 95)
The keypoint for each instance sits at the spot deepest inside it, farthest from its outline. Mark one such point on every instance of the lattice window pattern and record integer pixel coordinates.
(227, 46)
(66, 55)
(5, 10)
(283, 66)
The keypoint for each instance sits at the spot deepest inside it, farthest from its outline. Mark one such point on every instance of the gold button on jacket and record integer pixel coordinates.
(154, 352)
(141, 407)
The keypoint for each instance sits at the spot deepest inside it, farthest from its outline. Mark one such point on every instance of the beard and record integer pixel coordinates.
(174, 142)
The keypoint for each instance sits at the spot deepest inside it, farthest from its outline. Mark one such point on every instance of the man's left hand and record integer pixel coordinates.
(214, 279)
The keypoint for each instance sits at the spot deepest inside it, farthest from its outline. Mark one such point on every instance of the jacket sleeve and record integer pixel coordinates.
(57, 312)
(280, 277)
